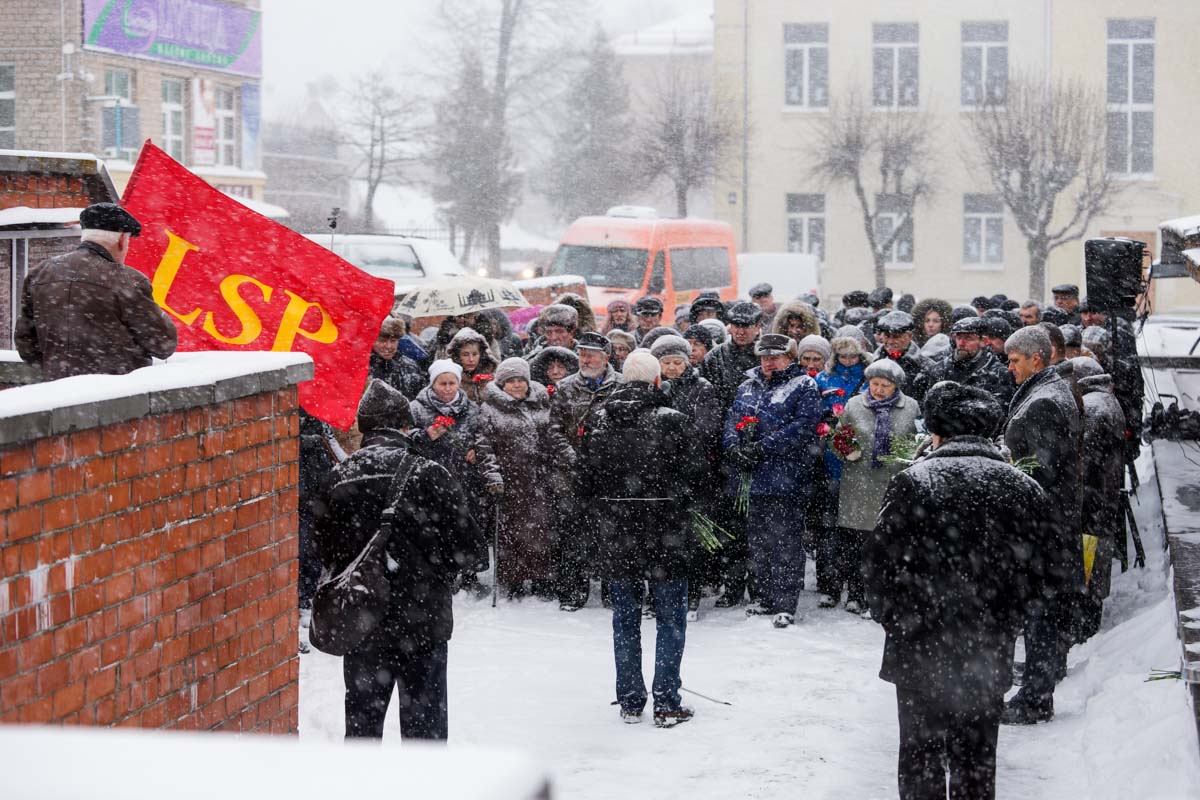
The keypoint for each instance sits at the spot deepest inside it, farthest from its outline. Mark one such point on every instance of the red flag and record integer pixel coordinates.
(234, 280)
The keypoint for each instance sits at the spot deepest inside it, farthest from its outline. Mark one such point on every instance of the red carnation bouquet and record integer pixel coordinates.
(443, 422)
(845, 443)
(745, 426)
(483, 377)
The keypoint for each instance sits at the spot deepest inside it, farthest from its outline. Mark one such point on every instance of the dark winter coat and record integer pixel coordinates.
(517, 449)
(919, 370)
(695, 398)
(1043, 422)
(952, 604)
(433, 537)
(401, 372)
(1128, 384)
(576, 401)
(788, 408)
(451, 448)
(725, 368)
(1103, 465)
(983, 371)
(82, 313)
(636, 472)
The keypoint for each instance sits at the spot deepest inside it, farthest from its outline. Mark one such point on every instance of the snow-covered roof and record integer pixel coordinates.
(50, 154)
(691, 34)
(24, 215)
(1193, 257)
(1182, 227)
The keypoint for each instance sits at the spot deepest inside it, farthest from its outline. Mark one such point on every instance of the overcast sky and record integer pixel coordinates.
(305, 39)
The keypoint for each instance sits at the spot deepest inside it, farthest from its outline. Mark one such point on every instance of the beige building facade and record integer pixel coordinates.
(786, 63)
(103, 76)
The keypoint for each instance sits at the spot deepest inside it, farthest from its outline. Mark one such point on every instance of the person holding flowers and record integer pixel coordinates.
(863, 440)
(469, 350)
(768, 439)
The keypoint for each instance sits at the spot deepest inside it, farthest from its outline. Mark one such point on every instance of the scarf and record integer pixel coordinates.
(883, 426)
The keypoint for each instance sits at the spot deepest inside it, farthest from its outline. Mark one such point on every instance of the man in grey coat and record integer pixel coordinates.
(1044, 423)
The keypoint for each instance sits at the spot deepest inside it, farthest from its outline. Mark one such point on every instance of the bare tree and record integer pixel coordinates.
(381, 127)
(688, 133)
(1038, 141)
(886, 157)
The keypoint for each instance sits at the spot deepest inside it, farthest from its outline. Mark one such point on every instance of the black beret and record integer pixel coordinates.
(854, 299)
(761, 290)
(997, 327)
(1055, 315)
(648, 306)
(810, 298)
(998, 300)
(982, 302)
(906, 303)
(975, 325)
(952, 409)
(1010, 305)
(744, 313)
(895, 322)
(857, 315)
(1067, 289)
(109, 217)
(880, 297)
(701, 334)
(963, 312)
(590, 340)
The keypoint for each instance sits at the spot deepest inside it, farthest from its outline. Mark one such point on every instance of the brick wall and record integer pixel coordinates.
(149, 566)
(43, 191)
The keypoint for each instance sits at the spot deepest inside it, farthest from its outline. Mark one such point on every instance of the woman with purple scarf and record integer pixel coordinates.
(877, 416)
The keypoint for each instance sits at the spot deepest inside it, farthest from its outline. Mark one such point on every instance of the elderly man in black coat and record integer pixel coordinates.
(950, 578)
(1044, 423)
(636, 471)
(896, 329)
(974, 364)
(434, 537)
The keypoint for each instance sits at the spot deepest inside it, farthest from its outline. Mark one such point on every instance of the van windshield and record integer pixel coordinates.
(700, 268)
(618, 267)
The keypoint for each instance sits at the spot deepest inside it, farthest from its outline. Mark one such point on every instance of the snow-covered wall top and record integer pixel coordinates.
(186, 380)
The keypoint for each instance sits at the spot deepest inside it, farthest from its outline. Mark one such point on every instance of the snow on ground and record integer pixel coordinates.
(810, 718)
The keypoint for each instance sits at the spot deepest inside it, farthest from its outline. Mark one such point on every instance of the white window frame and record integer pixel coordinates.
(894, 218)
(109, 73)
(1128, 108)
(10, 96)
(227, 147)
(983, 264)
(806, 220)
(896, 48)
(806, 50)
(170, 136)
(988, 51)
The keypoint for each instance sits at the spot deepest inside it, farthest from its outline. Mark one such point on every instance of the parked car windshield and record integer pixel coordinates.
(391, 260)
(620, 267)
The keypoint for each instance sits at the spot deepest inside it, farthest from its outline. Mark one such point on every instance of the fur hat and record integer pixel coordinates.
(671, 345)
(559, 314)
(817, 344)
(585, 319)
(937, 345)
(699, 333)
(796, 310)
(392, 328)
(511, 368)
(887, 369)
(895, 322)
(441, 367)
(952, 409)
(716, 328)
(846, 345)
(383, 406)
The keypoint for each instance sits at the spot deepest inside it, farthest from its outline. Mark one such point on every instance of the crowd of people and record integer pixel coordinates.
(955, 471)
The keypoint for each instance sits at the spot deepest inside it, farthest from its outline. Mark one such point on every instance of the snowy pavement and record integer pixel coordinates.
(810, 718)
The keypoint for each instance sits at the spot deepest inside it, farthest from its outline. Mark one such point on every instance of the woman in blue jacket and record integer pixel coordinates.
(768, 436)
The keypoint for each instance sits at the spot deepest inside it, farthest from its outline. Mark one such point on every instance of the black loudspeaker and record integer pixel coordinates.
(1114, 273)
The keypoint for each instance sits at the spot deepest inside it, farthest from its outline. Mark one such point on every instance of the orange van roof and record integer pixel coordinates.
(645, 233)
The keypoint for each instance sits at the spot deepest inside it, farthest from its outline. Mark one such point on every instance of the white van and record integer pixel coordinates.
(790, 274)
(406, 261)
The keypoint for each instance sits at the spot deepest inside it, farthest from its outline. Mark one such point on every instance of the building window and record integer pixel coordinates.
(984, 63)
(892, 211)
(806, 224)
(894, 65)
(226, 117)
(806, 65)
(1131, 96)
(983, 229)
(117, 83)
(172, 118)
(8, 106)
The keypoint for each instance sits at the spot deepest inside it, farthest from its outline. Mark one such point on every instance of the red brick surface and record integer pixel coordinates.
(148, 571)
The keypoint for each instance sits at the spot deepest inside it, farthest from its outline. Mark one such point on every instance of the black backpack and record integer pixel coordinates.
(349, 605)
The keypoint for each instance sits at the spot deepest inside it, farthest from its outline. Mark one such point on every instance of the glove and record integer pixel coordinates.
(746, 455)
(495, 488)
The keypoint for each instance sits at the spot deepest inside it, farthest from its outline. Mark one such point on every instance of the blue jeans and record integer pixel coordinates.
(775, 529)
(670, 608)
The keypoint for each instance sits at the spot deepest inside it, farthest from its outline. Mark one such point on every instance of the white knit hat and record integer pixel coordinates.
(444, 365)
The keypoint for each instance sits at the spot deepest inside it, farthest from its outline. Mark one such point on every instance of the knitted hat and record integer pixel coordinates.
(511, 368)
(952, 409)
(887, 369)
(382, 406)
(442, 366)
(817, 344)
(671, 345)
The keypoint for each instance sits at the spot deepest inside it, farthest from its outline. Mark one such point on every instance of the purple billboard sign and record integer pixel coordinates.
(201, 33)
